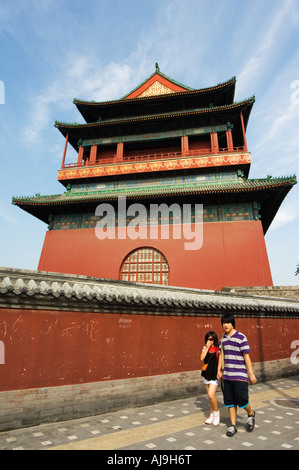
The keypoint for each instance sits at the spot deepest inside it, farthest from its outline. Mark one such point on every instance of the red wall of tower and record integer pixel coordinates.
(232, 254)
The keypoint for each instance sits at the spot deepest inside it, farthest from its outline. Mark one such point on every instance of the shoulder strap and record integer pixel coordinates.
(222, 353)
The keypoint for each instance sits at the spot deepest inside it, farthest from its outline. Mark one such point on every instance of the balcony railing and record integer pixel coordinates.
(154, 156)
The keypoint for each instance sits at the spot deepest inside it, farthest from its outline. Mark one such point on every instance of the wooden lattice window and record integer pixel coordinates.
(145, 265)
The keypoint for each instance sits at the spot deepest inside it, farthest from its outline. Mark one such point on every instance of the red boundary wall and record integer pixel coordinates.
(49, 348)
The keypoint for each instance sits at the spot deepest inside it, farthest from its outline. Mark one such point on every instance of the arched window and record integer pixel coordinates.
(145, 265)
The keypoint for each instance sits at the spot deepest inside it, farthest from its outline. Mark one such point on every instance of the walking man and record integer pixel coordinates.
(237, 369)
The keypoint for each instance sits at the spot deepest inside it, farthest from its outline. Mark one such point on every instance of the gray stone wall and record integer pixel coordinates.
(20, 408)
(285, 292)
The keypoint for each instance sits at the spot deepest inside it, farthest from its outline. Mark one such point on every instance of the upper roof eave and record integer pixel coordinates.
(212, 110)
(231, 82)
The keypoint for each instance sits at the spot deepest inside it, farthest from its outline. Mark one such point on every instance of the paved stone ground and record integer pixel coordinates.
(175, 425)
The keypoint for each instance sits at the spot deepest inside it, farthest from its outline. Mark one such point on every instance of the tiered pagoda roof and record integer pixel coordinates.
(219, 95)
(196, 117)
(174, 106)
(161, 105)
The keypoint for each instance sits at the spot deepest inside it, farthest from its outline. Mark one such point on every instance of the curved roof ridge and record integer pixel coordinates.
(157, 72)
(197, 90)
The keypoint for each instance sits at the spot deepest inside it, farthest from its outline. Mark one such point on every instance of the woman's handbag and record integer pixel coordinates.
(205, 366)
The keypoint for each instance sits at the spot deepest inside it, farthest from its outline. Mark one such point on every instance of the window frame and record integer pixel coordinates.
(146, 265)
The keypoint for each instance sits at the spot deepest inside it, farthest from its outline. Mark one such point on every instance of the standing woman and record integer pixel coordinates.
(210, 355)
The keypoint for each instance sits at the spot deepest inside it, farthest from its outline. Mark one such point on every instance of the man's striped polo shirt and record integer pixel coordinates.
(234, 363)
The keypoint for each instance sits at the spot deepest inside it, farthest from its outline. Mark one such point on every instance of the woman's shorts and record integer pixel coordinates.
(235, 393)
(211, 382)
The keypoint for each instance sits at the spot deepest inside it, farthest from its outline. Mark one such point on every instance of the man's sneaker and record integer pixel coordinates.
(210, 419)
(216, 418)
(231, 431)
(250, 422)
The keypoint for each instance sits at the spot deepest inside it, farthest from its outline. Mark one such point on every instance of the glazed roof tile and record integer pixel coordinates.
(36, 286)
(159, 190)
(259, 190)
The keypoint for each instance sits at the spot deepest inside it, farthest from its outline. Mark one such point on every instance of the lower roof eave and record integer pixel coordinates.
(269, 195)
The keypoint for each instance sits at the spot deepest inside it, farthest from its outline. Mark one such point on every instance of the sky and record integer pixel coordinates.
(52, 51)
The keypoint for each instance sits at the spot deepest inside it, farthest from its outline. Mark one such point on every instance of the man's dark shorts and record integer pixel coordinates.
(235, 393)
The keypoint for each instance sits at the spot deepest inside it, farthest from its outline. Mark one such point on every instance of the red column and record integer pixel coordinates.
(184, 144)
(93, 154)
(64, 152)
(243, 130)
(120, 152)
(214, 142)
(80, 156)
(229, 140)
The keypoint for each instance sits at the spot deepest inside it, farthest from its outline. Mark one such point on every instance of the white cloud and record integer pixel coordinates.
(264, 51)
(4, 214)
(273, 127)
(284, 216)
(80, 77)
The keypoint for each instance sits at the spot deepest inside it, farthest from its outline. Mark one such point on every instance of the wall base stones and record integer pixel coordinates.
(29, 407)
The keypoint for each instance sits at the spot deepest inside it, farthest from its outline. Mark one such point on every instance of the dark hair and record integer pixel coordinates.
(212, 334)
(228, 318)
